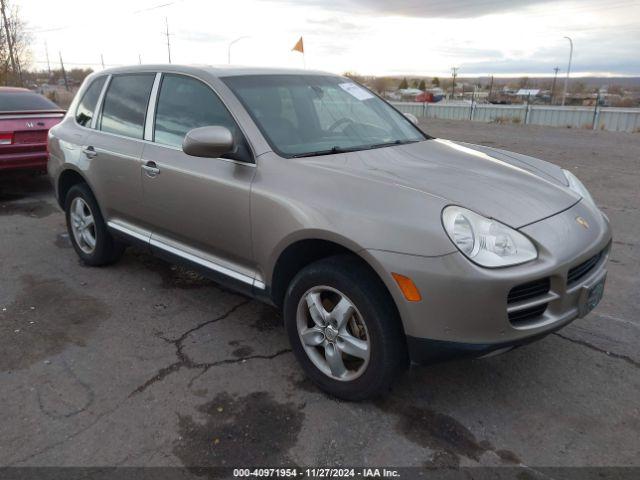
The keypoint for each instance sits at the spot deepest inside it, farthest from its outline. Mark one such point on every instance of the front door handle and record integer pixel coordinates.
(89, 151)
(151, 169)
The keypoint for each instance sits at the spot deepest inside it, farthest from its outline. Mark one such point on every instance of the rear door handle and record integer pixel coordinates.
(151, 169)
(89, 151)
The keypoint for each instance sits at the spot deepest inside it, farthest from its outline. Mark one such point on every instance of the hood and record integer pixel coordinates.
(514, 189)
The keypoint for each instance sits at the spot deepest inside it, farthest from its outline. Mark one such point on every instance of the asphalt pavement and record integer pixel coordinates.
(146, 364)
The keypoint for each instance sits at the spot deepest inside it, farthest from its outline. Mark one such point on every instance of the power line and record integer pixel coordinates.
(135, 12)
(155, 7)
(82, 64)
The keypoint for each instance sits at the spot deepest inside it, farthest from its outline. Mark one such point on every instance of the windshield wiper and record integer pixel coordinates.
(389, 144)
(338, 149)
(331, 151)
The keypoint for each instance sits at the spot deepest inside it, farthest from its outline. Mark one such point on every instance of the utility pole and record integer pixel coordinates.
(166, 23)
(139, 59)
(566, 80)
(64, 73)
(46, 51)
(491, 88)
(553, 85)
(9, 41)
(454, 72)
(102, 60)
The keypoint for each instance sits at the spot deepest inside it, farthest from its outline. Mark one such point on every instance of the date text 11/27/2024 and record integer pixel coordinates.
(316, 472)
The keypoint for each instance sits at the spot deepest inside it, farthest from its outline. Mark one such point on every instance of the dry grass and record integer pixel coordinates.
(61, 97)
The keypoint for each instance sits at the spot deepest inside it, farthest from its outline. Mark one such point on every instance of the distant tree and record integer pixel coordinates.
(79, 74)
(435, 81)
(423, 85)
(355, 77)
(523, 82)
(616, 90)
(545, 84)
(578, 87)
(404, 84)
(11, 68)
(380, 84)
(73, 75)
(514, 84)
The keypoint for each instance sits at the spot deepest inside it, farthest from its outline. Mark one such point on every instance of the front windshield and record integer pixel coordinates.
(305, 115)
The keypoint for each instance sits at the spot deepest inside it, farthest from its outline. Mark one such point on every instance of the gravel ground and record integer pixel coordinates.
(146, 364)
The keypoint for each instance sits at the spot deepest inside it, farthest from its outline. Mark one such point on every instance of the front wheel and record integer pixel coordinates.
(344, 328)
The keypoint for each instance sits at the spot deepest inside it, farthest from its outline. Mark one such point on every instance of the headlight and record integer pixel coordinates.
(484, 241)
(577, 186)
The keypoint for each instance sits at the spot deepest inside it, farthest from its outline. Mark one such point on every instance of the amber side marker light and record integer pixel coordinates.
(408, 288)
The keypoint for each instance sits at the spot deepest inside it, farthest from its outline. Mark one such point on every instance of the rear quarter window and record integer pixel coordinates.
(87, 106)
(25, 102)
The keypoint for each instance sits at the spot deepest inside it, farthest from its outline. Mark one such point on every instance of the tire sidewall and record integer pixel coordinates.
(104, 242)
(376, 314)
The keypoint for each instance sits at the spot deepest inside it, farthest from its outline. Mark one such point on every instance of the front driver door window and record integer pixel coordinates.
(196, 204)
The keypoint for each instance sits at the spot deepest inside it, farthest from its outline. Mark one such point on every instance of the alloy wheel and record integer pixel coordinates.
(333, 333)
(83, 225)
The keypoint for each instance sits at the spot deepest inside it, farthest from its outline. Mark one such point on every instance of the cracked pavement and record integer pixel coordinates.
(147, 364)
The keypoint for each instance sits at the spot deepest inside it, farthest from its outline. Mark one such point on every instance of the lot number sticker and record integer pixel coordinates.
(356, 91)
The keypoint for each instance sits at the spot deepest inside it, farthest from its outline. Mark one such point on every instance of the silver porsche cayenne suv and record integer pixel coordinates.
(380, 244)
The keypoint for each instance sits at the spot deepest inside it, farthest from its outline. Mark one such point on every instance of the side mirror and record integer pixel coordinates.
(211, 142)
(412, 118)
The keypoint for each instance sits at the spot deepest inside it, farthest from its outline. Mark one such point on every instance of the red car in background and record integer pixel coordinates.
(25, 120)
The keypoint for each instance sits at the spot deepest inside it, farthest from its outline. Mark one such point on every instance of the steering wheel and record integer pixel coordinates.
(339, 122)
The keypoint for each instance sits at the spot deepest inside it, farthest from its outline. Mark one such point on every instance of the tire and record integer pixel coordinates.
(368, 373)
(105, 249)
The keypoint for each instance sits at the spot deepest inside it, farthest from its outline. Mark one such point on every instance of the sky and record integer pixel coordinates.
(369, 37)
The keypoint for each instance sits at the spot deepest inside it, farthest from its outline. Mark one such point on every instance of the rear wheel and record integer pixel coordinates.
(87, 230)
(344, 328)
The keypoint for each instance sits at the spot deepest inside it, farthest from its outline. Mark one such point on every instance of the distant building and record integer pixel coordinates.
(528, 92)
(409, 92)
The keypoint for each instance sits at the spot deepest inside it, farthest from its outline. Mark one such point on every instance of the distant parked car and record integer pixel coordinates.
(25, 119)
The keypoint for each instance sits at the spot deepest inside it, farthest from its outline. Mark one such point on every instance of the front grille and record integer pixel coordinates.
(523, 316)
(529, 290)
(580, 271)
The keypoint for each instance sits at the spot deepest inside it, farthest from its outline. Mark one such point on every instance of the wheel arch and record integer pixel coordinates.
(301, 252)
(68, 178)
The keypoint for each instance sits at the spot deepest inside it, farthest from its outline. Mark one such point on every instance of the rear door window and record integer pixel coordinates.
(125, 104)
(185, 103)
(87, 106)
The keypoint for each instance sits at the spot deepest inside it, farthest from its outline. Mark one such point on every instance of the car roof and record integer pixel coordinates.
(215, 70)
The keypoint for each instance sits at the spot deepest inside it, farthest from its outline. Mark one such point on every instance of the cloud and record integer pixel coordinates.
(199, 37)
(423, 8)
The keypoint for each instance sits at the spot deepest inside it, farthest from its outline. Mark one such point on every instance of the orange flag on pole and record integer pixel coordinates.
(299, 46)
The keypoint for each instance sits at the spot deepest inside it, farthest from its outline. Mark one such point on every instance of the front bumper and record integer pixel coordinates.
(465, 308)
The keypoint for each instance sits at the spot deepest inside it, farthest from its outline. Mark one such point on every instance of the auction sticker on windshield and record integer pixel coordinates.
(356, 91)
